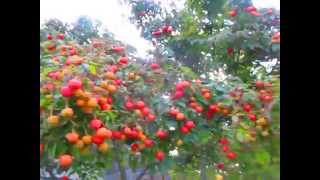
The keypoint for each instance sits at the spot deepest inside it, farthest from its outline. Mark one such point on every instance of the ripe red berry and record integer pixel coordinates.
(161, 134)
(259, 84)
(252, 117)
(145, 111)
(64, 178)
(74, 84)
(116, 135)
(173, 111)
(123, 60)
(247, 107)
(140, 104)
(178, 94)
(160, 155)
(117, 49)
(225, 149)
(220, 166)
(224, 141)
(66, 91)
(148, 143)
(49, 37)
(154, 66)
(97, 139)
(190, 124)
(180, 87)
(96, 124)
(60, 36)
(213, 108)
(134, 147)
(231, 155)
(184, 130)
(233, 13)
(129, 105)
(267, 98)
(151, 117)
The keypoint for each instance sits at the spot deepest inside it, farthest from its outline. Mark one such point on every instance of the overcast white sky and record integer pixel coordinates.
(113, 15)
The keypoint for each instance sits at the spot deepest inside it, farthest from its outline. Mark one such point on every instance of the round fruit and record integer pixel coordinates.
(129, 105)
(140, 104)
(190, 124)
(53, 120)
(103, 148)
(79, 144)
(145, 111)
(123, 60)
(224, 141)
(252, 117)
(134, 147)
(231, 155)
(213, 108)
(179, 142)
(67, 112)
(110, 75)
(247, 107)
(225, 149)
(162, 134)
(111, 88)
(80, 102)
(160, 155)
(72, 137)
(173, 111)
(74, 84)
(95, 124)
(154, 66)
(220, 166)
(151, 117)
(207, 95)
(127, 131)
(97, 140)
(92, 102)
(179, 87)
(199, 109)
(49, 37)
(184, 130)
(233, 13)
(259, 84)
(148, 143)
(60, 36)
(117, 135)
(104, 133)
(86, 139)
(65, 160)
(178, 94)
(66, 91)
(180, 116)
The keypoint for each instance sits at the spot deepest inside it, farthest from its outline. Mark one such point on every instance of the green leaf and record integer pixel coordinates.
(263, 157)
(204, 136)
(241, 135)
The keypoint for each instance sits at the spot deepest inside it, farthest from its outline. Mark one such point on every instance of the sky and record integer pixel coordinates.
(113, 16)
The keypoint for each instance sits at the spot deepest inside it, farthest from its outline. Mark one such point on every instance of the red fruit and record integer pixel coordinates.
(49, 37)
(129, 105)
(220, 166)
(180, 87)
(162, 134)
(151, 117)
(231, 155)
(230, 51)
(134, 147)
(148, 143)
(65, 160)
(96, 124)
(267, 98)
(127, 131)
(73, 52)
(254, 13)
(66, 91)
(190, 124)
(199, 109)
(233, 13)
(118, 82)
(72, 138)
(145, 111)
(213, 108)
(173, 112)
(156, 33)
(209, 115)
(60, 36)
(140, 104)
(116, 135)
(169, 29)
(64, 178)
(250, 9)
(123, 60)
(225, 149)
(74, 84)
(178, 94)
(259, 84)
(185, 84)
(184, 130)
(224, 141)
(134, 134)
(160, 155)
(97, 139)
(154, 66)
(252, 117)
(247, 107)
(104, 133)
(117, 49)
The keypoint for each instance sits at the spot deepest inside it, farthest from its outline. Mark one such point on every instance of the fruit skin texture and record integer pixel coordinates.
(231, 155)
(184, 130)
(162, 134)
(67, 112)
(53, 120)
(74, 84)
(104, 133)
(252, 117)
(190, 124)
(103, 148)
(97, 140)
(160, 155)
(72, 137)
(66, 91)
(148, 143)
(65, 160)
(87, 139)
(224, 141)
(233, 13)
(180, 116)
(95, 124)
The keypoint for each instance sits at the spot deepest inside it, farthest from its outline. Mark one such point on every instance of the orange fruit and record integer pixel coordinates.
(92, 102)
(193, 104)
(110, 75)
(207, 95)
(180, 116)
(81, 102)
(79, 144)
(104, 84)
(86, 95)
(87, 110)
(65, 160)
(142, 137)
(78, 93)
(72, 137)
(104, 133)
(53, 120)
(67, 112)
(111, 88)
(86, 139)
(103, 147)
